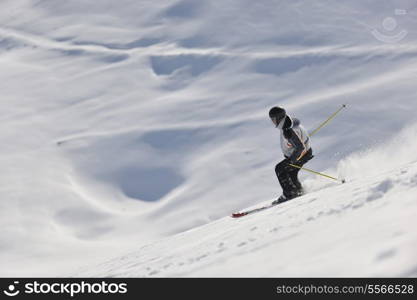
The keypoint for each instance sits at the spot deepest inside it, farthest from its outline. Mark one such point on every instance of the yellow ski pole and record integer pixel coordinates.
(318, 173)
(327, 121)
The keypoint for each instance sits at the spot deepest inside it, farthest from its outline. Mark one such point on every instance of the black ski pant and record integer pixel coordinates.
(288, 175)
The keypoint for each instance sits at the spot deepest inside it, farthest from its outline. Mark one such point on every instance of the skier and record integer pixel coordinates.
(295, 144)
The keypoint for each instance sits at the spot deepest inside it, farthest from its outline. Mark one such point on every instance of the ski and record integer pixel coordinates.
(251, 211)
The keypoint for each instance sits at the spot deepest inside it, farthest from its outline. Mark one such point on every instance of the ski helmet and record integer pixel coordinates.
(277, 114)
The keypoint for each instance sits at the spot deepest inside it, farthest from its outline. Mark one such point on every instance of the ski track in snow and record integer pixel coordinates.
(176, 50)
(132, 129)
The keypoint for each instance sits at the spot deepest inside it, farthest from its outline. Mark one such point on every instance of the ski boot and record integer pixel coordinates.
(282, 199)
(299, 192)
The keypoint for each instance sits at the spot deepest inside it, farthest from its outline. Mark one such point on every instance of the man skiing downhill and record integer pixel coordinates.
(295, 144)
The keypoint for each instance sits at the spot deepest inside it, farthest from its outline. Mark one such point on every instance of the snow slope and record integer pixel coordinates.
(358, 229)
(131, 124)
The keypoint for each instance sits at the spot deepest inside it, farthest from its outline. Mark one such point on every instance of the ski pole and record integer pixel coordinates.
(327, 121)
(318, 173)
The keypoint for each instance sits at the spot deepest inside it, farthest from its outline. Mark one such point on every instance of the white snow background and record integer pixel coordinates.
(132, 129)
